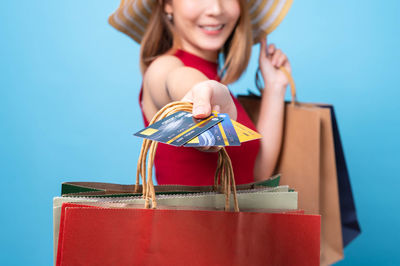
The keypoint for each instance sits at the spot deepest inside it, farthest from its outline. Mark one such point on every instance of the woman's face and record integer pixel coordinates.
(203, 26)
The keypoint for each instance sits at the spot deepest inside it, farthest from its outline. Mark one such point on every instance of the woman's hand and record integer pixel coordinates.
(210, 95)
(270, 60)
(207, 96)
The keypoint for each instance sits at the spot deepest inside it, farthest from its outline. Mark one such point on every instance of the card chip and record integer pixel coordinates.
(149, 131)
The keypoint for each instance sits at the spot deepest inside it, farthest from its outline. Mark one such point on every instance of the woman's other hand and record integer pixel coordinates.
(270, 122)
(270, 60)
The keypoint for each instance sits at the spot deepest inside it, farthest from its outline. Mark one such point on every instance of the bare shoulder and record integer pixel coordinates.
(167, 79)
(160, 68)
(155, 77)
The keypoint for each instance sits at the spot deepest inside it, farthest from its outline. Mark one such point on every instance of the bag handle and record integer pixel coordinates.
(224, 174)
(291, 84)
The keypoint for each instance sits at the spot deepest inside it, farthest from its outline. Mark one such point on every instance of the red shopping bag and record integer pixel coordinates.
(112, 236)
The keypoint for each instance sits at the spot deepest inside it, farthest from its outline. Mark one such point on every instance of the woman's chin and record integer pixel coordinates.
(212, 46)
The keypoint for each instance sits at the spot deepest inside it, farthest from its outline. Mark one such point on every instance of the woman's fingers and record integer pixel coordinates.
(265, 56)
(210, 93)
(278, 58)
(270, 61)
(275, 57)
(271, 49)
(281, 60)
(209, 148)
(263, 49)
(216, 108)
(267, 50)
(201, 101)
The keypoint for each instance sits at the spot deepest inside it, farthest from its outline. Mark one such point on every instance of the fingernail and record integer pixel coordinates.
(199, 110)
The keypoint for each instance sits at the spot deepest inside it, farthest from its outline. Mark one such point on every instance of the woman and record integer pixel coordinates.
(190, 50)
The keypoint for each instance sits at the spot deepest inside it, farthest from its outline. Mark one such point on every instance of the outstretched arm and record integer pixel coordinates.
(270, 123)
(167, 80)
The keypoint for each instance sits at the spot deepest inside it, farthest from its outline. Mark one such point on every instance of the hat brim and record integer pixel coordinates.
(132, 16)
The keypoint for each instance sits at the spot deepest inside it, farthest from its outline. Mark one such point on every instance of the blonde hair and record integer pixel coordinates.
(158, 39)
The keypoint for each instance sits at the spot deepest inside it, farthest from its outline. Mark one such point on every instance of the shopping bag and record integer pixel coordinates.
(204, 237)
(348, 214)
(312, 162)
(350, 226)
(308, 154)
(119, 190)
(272, 199)
(86, 191)
(123, 236)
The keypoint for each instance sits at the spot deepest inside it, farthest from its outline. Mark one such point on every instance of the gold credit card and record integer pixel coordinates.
(244, 133)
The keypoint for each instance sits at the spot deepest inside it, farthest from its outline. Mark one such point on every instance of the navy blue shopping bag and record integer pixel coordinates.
(350, 225)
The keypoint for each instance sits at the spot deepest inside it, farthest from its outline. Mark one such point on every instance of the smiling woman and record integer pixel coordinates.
(190, 50)
(204, 28)
(68, 80)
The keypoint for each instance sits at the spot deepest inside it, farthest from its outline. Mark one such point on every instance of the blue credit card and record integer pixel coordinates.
(222, 134)
(178, 128)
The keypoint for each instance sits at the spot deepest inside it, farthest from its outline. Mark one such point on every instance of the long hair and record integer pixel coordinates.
(235, 53)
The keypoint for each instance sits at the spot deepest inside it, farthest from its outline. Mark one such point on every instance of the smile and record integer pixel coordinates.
(212, 27)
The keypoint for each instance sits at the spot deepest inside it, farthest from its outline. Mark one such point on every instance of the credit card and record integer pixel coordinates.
(211, 137)
(222, 134)
(228, 131)
(178, 128)
(244, 133)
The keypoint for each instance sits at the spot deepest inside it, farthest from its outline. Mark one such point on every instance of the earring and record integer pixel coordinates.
(169, 16)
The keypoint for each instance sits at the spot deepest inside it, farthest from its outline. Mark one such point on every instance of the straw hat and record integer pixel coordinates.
(132, 16)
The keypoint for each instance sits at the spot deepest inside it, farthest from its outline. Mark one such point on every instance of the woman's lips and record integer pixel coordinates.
(212, 29)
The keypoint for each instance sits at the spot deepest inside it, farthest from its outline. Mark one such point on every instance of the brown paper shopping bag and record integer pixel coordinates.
(307, 163)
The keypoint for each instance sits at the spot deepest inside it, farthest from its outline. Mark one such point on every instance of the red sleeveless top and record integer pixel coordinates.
(188, 166)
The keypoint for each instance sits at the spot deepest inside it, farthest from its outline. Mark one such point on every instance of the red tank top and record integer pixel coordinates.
(188, 166)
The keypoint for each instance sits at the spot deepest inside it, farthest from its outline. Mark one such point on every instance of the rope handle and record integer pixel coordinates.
(224, 179)
(291, 84)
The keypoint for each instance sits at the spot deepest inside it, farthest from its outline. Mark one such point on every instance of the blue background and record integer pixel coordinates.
(69, 87)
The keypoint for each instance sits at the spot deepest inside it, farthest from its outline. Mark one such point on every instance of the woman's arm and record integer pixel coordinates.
(167, 80)
(270, 123)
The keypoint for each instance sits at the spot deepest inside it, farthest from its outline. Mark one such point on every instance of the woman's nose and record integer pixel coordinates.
(215, 7)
